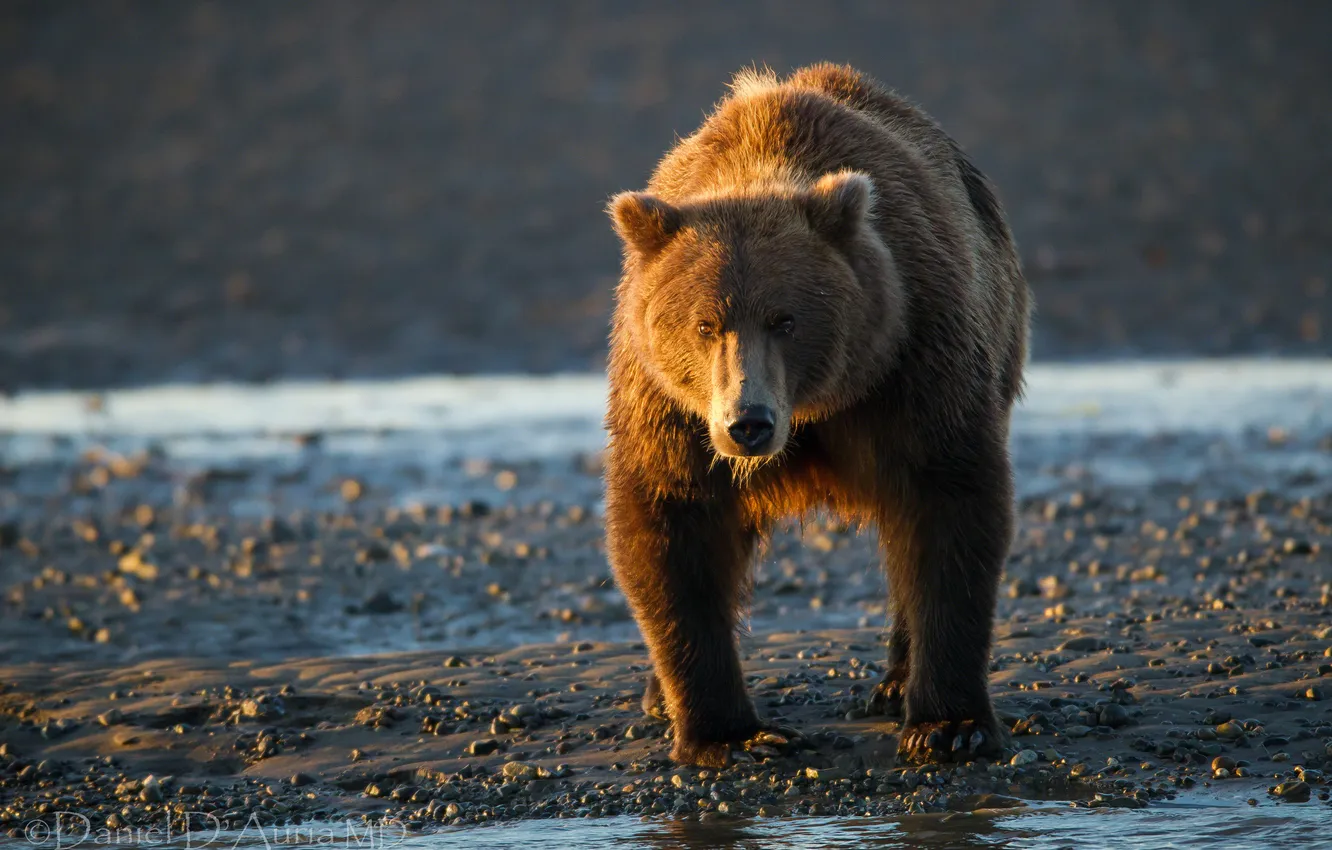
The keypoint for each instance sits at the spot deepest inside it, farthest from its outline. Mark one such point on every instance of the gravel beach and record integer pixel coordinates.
(240, 629)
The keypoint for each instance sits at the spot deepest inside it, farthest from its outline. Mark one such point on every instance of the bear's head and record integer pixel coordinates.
(758, 308)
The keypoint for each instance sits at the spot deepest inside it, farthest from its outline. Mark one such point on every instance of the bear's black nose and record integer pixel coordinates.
(752, 429)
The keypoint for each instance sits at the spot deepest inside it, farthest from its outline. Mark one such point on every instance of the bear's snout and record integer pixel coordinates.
(750, 412)
(752, 430)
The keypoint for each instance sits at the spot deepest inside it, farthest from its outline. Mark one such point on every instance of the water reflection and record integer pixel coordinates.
(961, 831)
(1038, 828)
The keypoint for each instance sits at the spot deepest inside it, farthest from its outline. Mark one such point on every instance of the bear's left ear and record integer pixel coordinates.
(839, 204)
(645, 222)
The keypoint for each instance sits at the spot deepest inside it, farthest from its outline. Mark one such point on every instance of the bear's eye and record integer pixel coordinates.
(706, 329)
(783, 324)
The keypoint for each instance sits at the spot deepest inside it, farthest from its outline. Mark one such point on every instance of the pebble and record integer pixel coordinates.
(111, 718)
(825, 774)
(1085, 643)
(1293, 792)
(520, 770)
(381, 603)
(1103, 801)
(152, 791)
(1024, 757)
(1114, 715)
(483, 746)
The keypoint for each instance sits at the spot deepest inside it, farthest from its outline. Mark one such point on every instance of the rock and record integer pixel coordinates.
(520, 770)
(770, 739)
(58, 728)
(1024, 757)
(1084, 643)
(1103, 801)
(1077, 731)
(111, 718)
(300, 780)
(1293, 792)
(1113, 715)
(1223, 763)
(1230, 730)
(151, 791)
(825, 774)
(261, 709)
(1315, 694)
(381, 603)
(483, 747)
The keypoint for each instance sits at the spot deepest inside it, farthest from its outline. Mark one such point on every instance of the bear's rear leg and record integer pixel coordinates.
(947, 554)
(886, 698)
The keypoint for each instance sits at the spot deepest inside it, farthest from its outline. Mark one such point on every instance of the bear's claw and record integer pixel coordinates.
(886, 698)
(654, 703)
(770, 737)
(947, 740)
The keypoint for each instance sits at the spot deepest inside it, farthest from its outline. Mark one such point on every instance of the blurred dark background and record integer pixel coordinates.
(247, 190)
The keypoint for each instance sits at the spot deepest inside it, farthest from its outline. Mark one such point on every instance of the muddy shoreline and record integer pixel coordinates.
(238, 625)
(555, 731)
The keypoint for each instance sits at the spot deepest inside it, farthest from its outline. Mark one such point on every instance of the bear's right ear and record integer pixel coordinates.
(645, 223)
(839, 203)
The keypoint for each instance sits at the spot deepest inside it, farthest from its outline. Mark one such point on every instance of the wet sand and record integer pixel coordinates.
(555, 730)
(371, 625)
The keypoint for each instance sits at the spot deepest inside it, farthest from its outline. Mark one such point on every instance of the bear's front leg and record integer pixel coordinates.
(947, 547)
(682, 563)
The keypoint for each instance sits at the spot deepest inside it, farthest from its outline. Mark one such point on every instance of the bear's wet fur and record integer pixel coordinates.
(821, 308)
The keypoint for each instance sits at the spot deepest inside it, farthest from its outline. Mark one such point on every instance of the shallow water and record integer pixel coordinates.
(522, 417)
(1162, 825)
(1190, 823)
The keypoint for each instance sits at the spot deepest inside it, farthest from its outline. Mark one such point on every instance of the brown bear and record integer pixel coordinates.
(821, 307)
